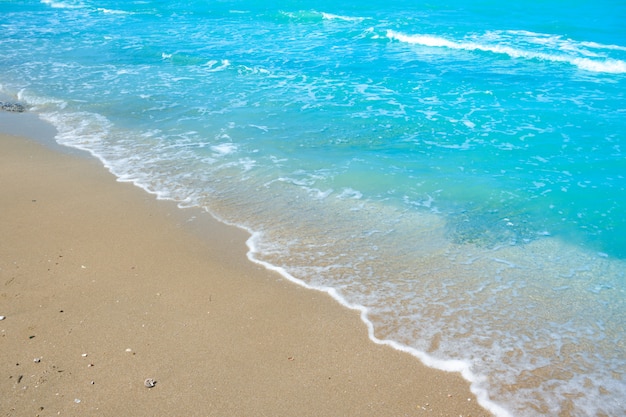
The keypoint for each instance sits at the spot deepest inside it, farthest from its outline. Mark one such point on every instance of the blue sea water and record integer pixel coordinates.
(452, 169)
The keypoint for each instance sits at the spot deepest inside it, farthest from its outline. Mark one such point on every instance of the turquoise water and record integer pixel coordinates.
(455, 171)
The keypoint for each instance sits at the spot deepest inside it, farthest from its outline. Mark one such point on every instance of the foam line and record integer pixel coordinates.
(462, 367)
(608, 65)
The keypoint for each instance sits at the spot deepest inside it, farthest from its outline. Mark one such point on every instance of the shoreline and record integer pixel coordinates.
(92, 266)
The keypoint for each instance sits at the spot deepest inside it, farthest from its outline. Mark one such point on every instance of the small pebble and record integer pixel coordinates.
(37, 360)
(84, 355)
(2, 318)
(76, 400)
(149, 383)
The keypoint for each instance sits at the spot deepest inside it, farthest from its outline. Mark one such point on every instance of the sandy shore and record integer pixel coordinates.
(102, 287)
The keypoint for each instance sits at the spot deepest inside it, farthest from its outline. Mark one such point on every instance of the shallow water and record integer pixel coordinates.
(454, 171)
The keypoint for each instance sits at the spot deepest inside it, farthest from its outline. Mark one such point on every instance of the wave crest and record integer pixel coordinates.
(564, 51)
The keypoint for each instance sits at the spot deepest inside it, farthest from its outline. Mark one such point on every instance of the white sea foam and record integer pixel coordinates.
(602, 65)
(40, 103)
(330, 16)
(243, 69)
(318, 194)
(262, 128)
(247, 164)
(213, 67)
(224, 149)
(349, 193)
(611, 66)
(113, 11)
(63, 4)
(79, 130)
(602, 46)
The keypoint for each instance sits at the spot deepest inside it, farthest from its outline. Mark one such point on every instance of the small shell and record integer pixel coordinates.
(2, 318)
(37, 360)
(149, 383)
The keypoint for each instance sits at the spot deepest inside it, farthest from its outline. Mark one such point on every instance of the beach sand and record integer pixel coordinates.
(102, 286)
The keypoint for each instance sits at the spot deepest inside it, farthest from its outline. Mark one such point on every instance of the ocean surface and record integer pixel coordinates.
(455, 169)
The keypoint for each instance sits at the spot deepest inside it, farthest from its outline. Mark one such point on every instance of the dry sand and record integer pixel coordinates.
(102, 287)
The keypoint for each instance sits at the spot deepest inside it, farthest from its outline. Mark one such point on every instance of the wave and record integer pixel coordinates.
(301, 16)
(601, 46)
(577, 58)
(73, 5)
(315, 16)
(63, 4)
(112, 11)
(330, 16)
(462, 367)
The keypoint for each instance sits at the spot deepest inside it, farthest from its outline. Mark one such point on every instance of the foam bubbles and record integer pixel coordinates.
(224, 149)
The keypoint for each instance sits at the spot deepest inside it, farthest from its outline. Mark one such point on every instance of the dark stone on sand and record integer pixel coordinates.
(12, 107)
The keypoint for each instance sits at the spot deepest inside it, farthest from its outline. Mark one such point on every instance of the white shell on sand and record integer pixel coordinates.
(149, 382)
(2, 317)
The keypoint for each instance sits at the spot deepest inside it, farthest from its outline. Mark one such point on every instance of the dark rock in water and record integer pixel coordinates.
(14, 107)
